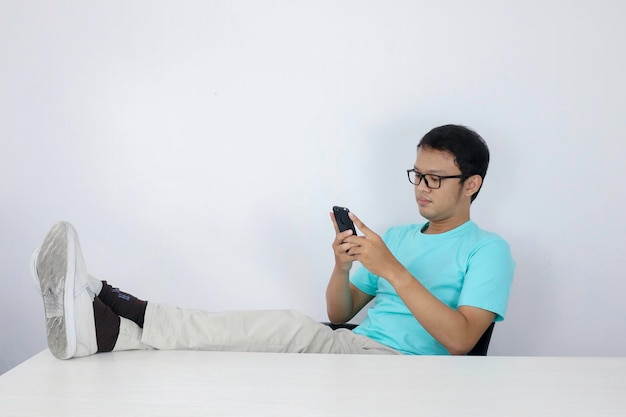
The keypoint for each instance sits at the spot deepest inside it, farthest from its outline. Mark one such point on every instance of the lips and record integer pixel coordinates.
(423, 201)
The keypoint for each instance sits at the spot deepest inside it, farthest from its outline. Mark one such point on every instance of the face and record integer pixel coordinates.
(449, 204)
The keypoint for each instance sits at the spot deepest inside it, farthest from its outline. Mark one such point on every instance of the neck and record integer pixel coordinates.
(435, 227)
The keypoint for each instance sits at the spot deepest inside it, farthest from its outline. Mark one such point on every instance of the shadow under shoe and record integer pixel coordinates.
(107, 325)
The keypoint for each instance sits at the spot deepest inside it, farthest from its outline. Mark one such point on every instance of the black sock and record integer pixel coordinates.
(107, 326)
(123, 304)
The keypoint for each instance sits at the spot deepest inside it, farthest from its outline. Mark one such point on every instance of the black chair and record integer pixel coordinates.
(480, 349)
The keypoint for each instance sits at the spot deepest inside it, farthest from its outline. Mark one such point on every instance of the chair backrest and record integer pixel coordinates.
(480, 349)
(349, 326)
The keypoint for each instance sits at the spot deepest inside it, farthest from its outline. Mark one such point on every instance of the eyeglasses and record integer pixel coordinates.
(432, 181)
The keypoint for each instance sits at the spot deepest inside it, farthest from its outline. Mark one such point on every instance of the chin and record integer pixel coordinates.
(426, 214)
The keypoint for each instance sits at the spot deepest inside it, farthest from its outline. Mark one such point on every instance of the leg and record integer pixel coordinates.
(78, 323)
(129, 337)
(169, 327)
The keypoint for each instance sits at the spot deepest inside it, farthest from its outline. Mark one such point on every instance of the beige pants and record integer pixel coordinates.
(173, 328)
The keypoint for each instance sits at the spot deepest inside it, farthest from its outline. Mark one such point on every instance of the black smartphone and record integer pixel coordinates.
(343, 221)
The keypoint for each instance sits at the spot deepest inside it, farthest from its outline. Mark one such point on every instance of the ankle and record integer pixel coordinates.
(123, 304)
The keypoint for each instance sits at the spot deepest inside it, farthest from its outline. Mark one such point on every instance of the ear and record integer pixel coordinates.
(472, 185)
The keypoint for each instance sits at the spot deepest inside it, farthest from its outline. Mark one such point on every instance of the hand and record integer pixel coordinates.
(372, 252)
(343, 261)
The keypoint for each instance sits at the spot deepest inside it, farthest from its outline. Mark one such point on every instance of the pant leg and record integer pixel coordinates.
(129, 336)
(169, 327)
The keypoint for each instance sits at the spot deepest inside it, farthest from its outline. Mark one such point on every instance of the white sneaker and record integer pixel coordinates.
(67, 293)
(94, 284)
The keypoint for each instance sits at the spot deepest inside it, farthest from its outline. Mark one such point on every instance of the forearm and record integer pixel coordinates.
(448, 326)
(339, 303)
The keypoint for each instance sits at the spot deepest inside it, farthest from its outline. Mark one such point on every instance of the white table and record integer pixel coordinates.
(169, 383)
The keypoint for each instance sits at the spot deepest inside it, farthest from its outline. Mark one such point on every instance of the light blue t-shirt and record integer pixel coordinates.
(464, 266)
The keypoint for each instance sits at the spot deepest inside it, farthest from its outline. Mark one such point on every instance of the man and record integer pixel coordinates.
(437, 286)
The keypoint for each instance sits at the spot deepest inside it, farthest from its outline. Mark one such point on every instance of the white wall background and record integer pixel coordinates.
(198, 147)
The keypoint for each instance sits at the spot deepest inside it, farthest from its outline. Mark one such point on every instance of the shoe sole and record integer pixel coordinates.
(55, 269)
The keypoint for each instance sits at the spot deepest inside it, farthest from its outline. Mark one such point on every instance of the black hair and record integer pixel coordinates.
(470, 150)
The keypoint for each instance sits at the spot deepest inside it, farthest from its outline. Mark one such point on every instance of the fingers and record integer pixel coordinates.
(359, 224)
(341, 239)
(345, 249)
(342, 252)
(332, 218)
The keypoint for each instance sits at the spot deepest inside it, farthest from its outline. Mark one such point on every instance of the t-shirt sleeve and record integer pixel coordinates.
(488, 278)
(365, 281)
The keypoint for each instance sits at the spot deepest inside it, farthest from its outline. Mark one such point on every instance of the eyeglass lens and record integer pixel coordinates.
(432, 181)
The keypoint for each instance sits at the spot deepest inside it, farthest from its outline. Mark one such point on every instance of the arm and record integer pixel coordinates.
(343, 299)
(457, 330)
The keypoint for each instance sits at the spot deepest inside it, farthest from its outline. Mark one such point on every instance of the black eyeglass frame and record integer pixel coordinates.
(423, 177)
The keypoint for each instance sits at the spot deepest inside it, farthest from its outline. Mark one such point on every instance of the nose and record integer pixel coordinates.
(422, 187)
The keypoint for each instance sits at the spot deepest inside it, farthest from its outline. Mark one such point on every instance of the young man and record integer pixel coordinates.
(438, 286)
